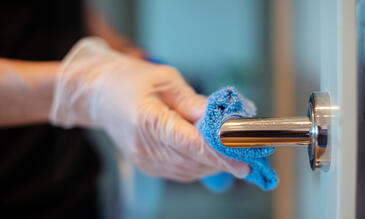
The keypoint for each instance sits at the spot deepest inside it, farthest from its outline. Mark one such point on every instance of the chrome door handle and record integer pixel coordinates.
(310, 131)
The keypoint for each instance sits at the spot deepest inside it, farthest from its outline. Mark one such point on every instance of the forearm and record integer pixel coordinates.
(26, 91)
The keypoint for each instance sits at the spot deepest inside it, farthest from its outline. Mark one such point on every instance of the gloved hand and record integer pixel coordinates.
(147, 109)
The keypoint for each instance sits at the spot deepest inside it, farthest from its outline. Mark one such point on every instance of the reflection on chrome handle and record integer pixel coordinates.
(266, 132)
(311, 131)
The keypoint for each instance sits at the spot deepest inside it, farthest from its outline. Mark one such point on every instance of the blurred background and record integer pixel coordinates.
(269, 50)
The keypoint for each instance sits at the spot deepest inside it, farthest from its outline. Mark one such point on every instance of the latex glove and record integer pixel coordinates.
(147, 109)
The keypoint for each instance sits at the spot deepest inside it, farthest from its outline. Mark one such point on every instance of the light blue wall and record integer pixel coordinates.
(214, 43)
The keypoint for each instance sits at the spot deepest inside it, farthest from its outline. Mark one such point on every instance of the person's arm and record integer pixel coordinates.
(26, 88)
(148, 110)
(26, 91)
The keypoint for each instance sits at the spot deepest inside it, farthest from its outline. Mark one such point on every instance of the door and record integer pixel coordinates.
(339, 78)
(332, 194)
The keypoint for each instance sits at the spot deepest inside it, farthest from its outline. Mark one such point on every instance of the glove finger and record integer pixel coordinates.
(179, 96)
(171, 129)
(238, 168)
(170, 156)
(168, 171)
(196, 147)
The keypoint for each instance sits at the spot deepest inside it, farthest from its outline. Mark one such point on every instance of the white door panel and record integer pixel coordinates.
(345, 153)
(332, 194)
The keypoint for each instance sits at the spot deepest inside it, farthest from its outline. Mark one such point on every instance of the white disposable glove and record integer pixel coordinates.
(147, 109)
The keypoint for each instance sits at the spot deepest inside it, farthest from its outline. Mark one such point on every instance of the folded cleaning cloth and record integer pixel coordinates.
(226, 104)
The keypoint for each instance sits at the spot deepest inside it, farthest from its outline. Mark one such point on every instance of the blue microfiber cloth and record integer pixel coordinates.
(226, 104)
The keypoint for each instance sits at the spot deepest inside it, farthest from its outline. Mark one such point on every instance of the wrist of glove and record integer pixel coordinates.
(148, 110)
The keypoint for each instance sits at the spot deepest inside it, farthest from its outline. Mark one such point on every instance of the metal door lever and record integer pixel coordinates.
(310, 131)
